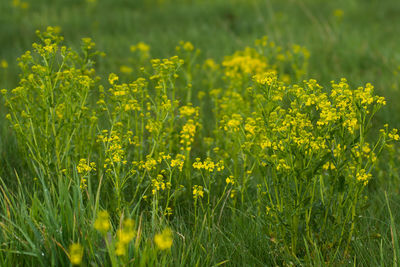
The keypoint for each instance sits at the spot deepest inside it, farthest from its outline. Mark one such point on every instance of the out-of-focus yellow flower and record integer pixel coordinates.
(126, 69)
(338, 13)
(143, 47)
(75, 253)
(19, 4)
(164, 240)
(188, 46)
(120, 249)
(102, 222)
(3, 64)
(127, 233)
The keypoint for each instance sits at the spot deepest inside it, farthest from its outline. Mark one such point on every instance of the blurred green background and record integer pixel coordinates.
(356, 39)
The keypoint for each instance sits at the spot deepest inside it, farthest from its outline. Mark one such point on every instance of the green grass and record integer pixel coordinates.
(361, 46)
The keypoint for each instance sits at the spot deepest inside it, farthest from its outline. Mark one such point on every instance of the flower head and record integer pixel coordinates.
(164, 240)
(75, 253)
(102, 222)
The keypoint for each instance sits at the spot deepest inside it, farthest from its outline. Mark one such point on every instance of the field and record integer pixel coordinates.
(199, 133)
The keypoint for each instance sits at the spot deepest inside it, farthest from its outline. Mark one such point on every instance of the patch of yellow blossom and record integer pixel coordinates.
(178, 161)
(187, 46)
(208, 165)
(159, 184)
(230, 180)
(164, 239)
(363, 176)
(102, 223)
(233, 123)
(112, 78)
(198, 191)
(20, 4)
(142, 48)
(266, 78)
(125, 235)
(76, 254)
(3, 64)
(125, 69)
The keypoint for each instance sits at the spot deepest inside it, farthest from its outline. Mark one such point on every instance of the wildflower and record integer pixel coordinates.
(164, 240)
(394, 135)
(230, 180)
(267, 78)
(126, 69)
(84, 167)
(120, 249)
(233, 193)
(140, 46)
(125, 235)
(112, 78)
(363, 176)
(189, 111)
(75, 253)
(88, 43)
(102, 223)
(210, 64)
(178, 161)
(338, 14)
(198, 191)
(168, 211)
(188, 46)
(3, 64)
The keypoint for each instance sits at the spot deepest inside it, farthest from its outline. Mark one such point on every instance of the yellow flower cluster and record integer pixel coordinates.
(266, 78)
(76, 253)
(178, 161)
(208, 165)
(164, 239)
(159, 184)
(198, 191)
(363, 177)
(125, 235)
(85, 166)
(102, 223)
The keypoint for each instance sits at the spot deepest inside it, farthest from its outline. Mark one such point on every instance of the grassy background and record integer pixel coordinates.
(362, 46)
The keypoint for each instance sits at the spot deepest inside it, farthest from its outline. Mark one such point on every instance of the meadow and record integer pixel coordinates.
(199, 133)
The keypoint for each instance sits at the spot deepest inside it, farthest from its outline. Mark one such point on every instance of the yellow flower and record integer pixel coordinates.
(75, 253)
(126, 69)
(127, 233)
(188, 46)
(198, 191)
(164, 240)
(230, 180)
(140, 46)
(102, 222)
(363, 176)
(120, 250)
(3, 64)
(112, 78)
(338, 13)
